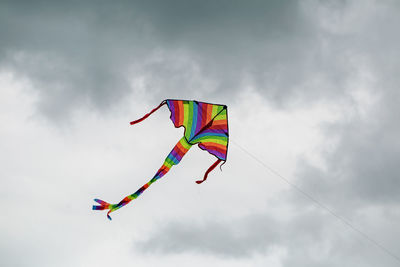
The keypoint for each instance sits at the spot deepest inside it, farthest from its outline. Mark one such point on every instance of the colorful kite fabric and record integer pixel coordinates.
(205, 124)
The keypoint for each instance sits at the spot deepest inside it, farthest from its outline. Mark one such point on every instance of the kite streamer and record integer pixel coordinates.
(205, 124)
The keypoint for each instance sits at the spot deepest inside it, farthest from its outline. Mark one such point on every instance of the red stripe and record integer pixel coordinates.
(180, 112)
(215, 146)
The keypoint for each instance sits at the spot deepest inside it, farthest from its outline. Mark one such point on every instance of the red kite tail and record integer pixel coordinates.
(212, 167)
(148, 114)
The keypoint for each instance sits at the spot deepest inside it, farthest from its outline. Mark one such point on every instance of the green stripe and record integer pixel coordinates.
(190, 120)
(185, 114)
(211, 138)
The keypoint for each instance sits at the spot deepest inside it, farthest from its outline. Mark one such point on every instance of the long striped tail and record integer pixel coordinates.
(173, 158)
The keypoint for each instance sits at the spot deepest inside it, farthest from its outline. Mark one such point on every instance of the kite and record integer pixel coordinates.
(205, 124)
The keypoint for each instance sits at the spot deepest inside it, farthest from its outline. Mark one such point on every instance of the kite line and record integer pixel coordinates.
(320, 204)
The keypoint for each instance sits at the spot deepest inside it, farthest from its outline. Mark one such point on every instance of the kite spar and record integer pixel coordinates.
(205, 124)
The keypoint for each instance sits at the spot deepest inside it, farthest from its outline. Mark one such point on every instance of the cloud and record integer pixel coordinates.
(308, 237)
(211, 237)
(82, 55)
(361, 167)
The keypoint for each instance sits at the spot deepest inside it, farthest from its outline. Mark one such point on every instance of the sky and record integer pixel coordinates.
(312, 89)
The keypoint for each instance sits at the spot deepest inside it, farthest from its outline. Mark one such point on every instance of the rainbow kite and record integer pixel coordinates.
(205, 124)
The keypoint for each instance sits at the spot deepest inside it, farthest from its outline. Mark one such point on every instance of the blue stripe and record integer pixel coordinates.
(194, 121)
(173, 159)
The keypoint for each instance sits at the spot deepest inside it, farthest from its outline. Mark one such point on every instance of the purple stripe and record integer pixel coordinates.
(175, 154)
(200, 112)
(171, 105)
(211, 131)
(217, 154)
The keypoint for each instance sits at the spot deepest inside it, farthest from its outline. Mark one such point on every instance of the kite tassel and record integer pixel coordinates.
(104, 206)
(212, 167)
(148, 114)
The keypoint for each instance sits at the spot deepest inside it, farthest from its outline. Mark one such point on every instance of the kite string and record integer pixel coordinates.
(320, 204)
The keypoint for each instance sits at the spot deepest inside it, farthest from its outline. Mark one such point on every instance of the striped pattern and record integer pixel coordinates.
(205, 124)
(174, 157)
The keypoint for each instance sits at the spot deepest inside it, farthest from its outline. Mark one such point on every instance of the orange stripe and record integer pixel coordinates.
(181, 149)
(180, 110)
(165, 168)
(214, 145)
(209, 113)
(219, 122)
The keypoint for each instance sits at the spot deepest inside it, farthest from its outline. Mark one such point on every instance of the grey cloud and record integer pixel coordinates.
(213, 237)
(272, 46)
(361, 173)
(240, 238)
(67, 52)
(310, 237)
(85, 53)
(363, 169)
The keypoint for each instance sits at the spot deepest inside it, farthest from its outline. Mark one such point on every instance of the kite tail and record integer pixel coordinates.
(105, 206)
(212, 167)
(174, 157)
(148, 114)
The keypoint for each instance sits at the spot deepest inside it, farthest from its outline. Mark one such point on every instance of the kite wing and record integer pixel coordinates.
(205, 124)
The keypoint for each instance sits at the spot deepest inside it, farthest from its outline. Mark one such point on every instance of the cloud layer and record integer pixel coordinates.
(312, 90)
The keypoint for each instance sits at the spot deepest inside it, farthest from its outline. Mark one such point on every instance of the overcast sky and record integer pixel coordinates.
(312, 89)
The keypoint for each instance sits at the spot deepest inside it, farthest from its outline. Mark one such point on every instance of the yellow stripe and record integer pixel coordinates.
(220, 116)
(168, 164)
(185, 114)
(213, 140)
(214, 111)
(185, 144)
